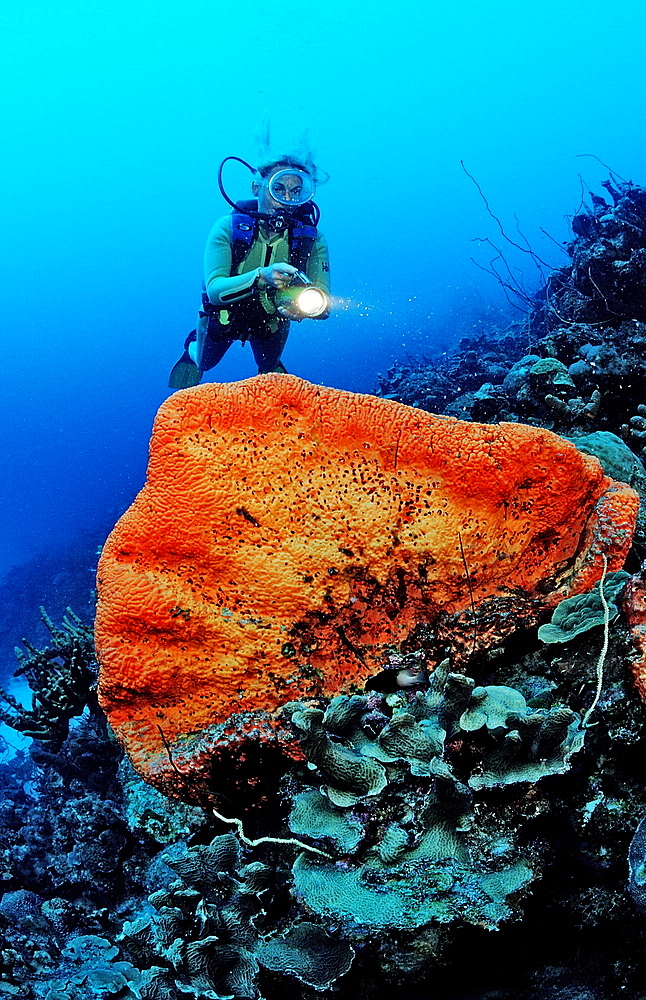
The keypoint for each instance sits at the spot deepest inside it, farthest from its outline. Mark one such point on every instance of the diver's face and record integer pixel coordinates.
(289, 188)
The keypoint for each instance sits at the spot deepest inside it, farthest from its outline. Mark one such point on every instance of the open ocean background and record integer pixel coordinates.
(114, 120)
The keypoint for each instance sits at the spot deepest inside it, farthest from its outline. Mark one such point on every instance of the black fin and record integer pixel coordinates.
(184, 373)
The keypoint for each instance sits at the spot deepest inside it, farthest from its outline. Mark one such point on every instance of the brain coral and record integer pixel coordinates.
(290, 535)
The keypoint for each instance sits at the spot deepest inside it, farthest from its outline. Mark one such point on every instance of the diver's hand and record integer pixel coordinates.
(290, 314)
(276, 275)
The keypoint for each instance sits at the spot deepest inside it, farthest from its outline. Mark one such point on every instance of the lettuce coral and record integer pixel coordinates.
(579, 614)
(414, 849)
(211, 935)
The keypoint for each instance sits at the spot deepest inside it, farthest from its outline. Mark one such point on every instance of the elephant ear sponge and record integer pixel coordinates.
(289, 535)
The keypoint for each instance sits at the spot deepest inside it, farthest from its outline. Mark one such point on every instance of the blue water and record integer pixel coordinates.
(118, 114)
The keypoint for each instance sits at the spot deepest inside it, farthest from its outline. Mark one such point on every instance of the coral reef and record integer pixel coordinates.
(578, 360)
(72, 862)
(462, 814)
(441, 811)
(72, 869)
(397, 784)
(604, 284)
(635, 431)
(634, 607)
(290, 535)
(637, 863)
(58, 578)
(573, 380)
(87, 967)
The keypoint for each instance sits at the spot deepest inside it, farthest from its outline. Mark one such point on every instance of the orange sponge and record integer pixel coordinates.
(289, 535)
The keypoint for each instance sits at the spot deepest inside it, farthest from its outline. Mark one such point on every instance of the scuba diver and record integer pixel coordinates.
(265, 264)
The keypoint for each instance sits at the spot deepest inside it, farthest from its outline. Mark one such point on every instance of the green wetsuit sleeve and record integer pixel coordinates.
(318, 269)
(222, 287)
(318, 265)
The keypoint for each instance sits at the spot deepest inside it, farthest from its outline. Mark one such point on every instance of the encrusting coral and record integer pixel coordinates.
(290, 535)
(577, 614)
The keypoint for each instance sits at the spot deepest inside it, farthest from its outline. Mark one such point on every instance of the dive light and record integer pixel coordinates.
(302, 297)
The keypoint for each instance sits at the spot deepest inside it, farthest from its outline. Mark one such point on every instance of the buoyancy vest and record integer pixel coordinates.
(301, 235)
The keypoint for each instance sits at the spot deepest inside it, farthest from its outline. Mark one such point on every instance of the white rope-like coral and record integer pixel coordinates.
(267, 840)
(604, 650)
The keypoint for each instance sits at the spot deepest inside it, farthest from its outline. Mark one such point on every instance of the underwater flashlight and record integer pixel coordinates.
(311, 302)
(302, 297)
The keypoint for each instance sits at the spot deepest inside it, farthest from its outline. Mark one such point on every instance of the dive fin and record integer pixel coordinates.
(278, 370)
(184, 373)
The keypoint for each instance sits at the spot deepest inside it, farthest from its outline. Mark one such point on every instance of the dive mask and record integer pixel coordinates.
(291, 186)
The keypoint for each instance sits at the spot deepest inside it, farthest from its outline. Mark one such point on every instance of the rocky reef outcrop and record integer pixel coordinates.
(577, 362)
